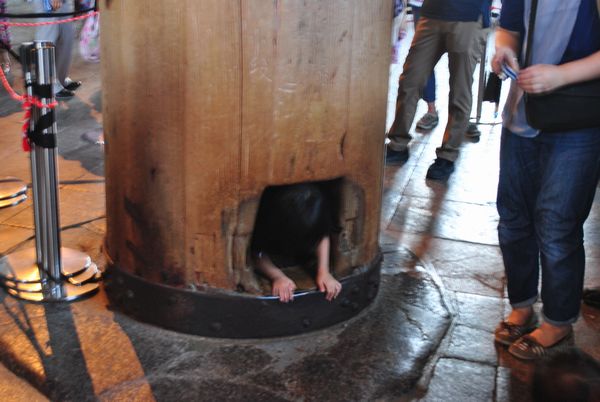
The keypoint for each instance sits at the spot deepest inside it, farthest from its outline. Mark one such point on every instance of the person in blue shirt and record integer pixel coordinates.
(454, 27)
(547, 181)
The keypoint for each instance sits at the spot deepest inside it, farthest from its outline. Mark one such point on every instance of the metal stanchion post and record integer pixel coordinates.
(49, 272)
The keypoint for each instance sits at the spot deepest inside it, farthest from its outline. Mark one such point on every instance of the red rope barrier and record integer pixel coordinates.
(27, 102)
(54, 22)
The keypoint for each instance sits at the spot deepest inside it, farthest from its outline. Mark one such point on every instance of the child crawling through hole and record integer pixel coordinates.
(293, 228)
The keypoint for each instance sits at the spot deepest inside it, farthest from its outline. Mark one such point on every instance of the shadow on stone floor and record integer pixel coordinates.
(84, 351)
(58, 355)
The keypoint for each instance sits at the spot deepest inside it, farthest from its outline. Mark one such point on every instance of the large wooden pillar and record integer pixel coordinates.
(206, 103)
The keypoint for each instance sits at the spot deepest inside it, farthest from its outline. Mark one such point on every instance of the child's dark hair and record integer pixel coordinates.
(291, 221)
(568, 376)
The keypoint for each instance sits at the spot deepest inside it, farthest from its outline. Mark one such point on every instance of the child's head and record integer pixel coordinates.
(568, 376)
(292, 220)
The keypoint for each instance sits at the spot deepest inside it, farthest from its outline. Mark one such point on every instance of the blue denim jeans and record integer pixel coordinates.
(545, 192)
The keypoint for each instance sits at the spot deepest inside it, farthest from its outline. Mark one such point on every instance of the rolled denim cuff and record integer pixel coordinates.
(560, 323)
(525, 303)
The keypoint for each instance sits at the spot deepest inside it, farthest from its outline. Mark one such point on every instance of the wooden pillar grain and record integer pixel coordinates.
(206, 103)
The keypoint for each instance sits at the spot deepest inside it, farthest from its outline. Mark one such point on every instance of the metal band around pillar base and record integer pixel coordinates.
(12, 191)
(22, 278)
(236, 315)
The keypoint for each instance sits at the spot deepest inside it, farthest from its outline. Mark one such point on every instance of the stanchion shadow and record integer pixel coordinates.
(47, 352)
(96, 100)
(75, 118)
(8, 105)
(439, 194)
(401, 220)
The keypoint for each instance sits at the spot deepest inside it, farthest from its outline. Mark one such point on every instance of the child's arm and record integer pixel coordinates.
(325, 281)
(282, 285)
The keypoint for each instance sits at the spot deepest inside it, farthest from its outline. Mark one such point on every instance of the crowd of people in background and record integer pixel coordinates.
(458, 29)
(4, 42)
(63, 37)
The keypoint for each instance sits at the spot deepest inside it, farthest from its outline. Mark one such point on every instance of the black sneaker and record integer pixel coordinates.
(473, 131)
(64, 94)
(429, 121)
(395, 157)
(441, 169)
(591, 297)
(72, 85)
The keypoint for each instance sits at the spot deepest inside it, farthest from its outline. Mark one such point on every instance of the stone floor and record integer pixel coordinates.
(429, 335)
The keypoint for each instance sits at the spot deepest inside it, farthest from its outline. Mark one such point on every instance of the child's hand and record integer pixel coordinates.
(328, 284)
(284, 288)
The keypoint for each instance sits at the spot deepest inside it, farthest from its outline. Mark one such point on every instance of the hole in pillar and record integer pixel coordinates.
(291, 223)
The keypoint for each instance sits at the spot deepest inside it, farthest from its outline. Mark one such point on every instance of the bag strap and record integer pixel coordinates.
(532, 14)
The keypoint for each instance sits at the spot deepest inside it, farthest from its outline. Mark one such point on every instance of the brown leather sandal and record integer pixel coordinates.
(506, 333)
(527, 348)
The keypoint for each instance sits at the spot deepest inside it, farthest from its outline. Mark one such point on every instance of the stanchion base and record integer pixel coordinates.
(11, 187)
(22, 278)
(90, 275)
(11, 202)
(21, 266)
(75, 262)
(56, 292)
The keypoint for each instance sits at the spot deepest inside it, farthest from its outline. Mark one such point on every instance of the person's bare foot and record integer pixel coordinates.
(520, 316)
(548, 334)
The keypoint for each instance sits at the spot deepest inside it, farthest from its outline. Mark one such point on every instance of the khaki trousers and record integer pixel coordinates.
(433, 38)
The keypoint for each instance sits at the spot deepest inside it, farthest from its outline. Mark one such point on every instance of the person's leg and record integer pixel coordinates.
(430, 120)
(64, 52)
(460, 42)
(425, 51)
(429, 91)
(518, 186)
(4, 41)
(4, 59)
(472, 129)
(517, 190)
(570, 171)
(49, 33)
(64, 47)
